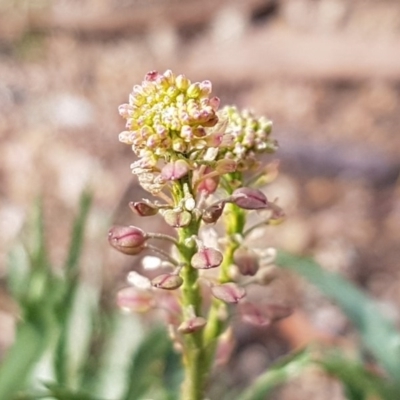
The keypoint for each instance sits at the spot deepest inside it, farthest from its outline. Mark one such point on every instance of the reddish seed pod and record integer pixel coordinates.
(207, 258)
(212, 214)
(249, 199)
(167, 281)
(246, 261)
(228, 292)
(127, 239)
(143, 209)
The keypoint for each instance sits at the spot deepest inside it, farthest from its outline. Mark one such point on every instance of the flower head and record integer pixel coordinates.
(167, 114)
(251, 135)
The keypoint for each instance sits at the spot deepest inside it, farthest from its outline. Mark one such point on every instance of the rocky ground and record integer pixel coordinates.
(326, 72)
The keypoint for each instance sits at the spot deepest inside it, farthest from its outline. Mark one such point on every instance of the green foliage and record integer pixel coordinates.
(87, 352)
(91, 353)
(377, 333)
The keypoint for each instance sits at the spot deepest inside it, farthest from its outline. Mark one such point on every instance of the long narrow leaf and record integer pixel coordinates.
(377, 332)
(62, 361)
(359, 383)
(21, 359)
(148, 364)
(276, 376)
(78, 231)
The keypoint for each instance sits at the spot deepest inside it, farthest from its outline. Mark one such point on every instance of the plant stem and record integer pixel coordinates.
(217, 320)
(191, 301)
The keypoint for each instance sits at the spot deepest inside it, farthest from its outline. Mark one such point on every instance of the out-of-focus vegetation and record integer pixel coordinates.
(69, 347)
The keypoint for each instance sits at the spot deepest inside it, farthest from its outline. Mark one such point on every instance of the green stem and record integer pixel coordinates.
(193, 351)
(217, 321)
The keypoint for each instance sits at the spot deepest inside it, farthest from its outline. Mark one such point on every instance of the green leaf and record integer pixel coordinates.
(148, 364)
(359, 383)
(277, 375)
(77, 236)
(21, 359)
(378, 334)
(65, 366)
(18, 272)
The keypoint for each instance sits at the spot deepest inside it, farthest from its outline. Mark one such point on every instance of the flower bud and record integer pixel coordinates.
(249, 199)
(192, 325)
(143, 208)
(206, 258)
(228, 292)
(264, 314)
(213, 213)
(226, 345)
(254, 315)
(175, 170)
(127, 239)
(177, 219)
(193, 90)
(246, 261)
(134, 300)
(167, 281)
(182, 83)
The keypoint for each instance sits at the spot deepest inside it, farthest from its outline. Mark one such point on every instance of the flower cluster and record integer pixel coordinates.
(174, 126)
(193, 157)
(251, 136)
(167, 116)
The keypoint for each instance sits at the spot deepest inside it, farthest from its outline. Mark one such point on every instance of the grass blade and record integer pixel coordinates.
(276, 376)
(378, 334)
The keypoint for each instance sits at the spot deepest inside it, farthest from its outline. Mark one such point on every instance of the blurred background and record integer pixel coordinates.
(327, 72)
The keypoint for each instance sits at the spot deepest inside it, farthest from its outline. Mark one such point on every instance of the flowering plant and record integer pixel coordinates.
(200, 163)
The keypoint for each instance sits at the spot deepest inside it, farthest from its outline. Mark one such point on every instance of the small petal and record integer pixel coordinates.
(228, 292)
(206, 258)
(175, 170)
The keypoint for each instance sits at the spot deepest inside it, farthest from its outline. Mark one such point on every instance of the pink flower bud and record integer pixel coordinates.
(208, 185)
(214, 103)
(135, 300)
(143, 209)
(254, 315)
(177, 219)
(264, 314)
(206, 258)
(249, 199)
(151, 76)
(226, 345)
(127, 239)
(167, 281)
(246, 261)
(182, 83)
(193, 90)
(192, 325)
(175, 170)
(228, 292)
(212, 214)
